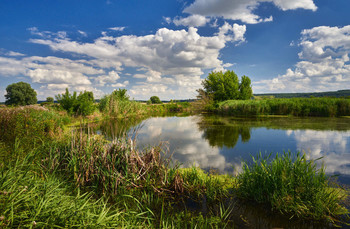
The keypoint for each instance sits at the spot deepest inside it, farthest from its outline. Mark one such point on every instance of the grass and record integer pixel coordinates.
(291, 185)
(84, 181)
(325, 107)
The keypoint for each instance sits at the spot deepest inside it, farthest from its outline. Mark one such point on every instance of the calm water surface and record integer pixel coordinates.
(221, 143)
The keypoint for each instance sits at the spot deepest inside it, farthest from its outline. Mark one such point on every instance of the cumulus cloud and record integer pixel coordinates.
(166, 57)
(191, 21)
(112, 77)
(324, 63)
(243, 10)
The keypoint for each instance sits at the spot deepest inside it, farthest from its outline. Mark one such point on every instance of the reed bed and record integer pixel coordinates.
(324, 107)
(291, 185)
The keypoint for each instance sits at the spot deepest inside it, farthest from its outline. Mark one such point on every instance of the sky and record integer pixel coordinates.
(166, 48)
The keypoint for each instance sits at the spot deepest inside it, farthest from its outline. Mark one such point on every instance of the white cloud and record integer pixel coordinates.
(11, 53)
(118, 85)
(119, 29)
(324, 64)
(166, 57)
(84, 34)
(243, 10)
(191, 21)
(112, 77)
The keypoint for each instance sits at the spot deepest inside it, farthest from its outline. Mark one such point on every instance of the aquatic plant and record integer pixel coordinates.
(291, 185)
(325, 107)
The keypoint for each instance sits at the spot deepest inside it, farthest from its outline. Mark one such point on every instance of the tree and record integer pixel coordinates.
(224, 86)
(155, 100)
(245, 88)
(49, 100)
(67, 101)
(85, 103)
(20, 93)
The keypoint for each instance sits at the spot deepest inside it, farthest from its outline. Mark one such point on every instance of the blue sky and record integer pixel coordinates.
(166, 48)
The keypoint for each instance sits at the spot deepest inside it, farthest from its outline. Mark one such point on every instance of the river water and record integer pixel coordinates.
(222, 143)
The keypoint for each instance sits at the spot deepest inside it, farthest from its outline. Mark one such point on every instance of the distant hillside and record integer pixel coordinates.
(340, 93)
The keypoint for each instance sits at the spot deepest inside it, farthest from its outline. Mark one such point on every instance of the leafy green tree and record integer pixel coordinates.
(245, 88)
(225, 86)
(155, 100)
(120, 95)
(222, 86)
(49, 100)
(20, 93)
(85, 103)
(67, 101)
(80, 105)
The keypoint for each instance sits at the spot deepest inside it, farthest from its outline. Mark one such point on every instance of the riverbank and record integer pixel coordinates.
(112, 184)
(321, 107)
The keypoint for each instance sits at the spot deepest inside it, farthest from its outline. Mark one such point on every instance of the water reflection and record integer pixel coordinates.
(223, 142)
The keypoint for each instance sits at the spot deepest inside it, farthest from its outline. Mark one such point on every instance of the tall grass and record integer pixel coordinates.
(326, 107)
(30, 126)
(30, 197)
(291, 185)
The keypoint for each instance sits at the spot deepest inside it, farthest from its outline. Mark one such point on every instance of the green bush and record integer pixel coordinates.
(20, 94)
(79, 105)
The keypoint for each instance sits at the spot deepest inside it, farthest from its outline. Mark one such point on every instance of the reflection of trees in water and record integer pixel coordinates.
(221, 134)
(114, 128)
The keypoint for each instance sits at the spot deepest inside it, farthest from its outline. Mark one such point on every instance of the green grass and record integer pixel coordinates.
(85, 181)
(325, 107)
(291, 185)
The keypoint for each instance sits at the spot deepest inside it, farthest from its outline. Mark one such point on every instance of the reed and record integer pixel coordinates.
(325, 107)
(291, 185)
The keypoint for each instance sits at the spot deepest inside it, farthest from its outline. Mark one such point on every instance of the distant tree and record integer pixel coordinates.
(120, 94)
(80, 105)
(85, 103)
(20, 93)
(155, 100)
(245, 88)
(67, 101)
(224, 86)
(49, 100)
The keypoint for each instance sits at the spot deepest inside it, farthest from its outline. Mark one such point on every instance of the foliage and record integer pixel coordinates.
(326, 107)
(49, 100)
(20, 94)
(292, 185)
(79, 105)
(117, 104)
(155, 100)
(85, 103)
(338, 94)
(225, 86)
(30, 197)
(29, 126)
(245, 88)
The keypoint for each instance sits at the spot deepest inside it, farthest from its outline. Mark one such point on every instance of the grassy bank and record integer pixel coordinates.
(323, 107)
(81, 180)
